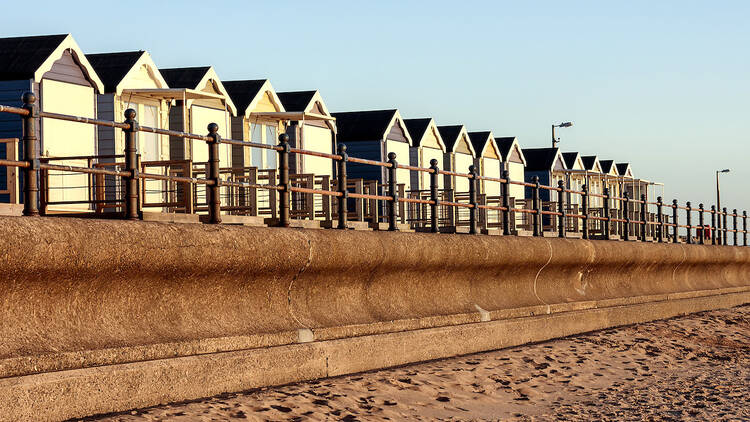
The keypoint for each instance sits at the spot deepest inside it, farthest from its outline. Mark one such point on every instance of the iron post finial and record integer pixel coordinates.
(659, 199)
(130, 114)
(687, 204)
(391, 155)
(433, 162)
(342, 148)
(213, 128)
(471, 169)
(283, 138)
(28, 97)
(535, 179)
(674, 202)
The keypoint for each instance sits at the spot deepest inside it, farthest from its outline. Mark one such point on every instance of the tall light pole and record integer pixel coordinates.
(555, 141)
(718, 202)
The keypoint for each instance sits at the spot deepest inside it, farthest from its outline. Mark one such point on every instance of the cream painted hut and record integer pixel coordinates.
(126, 76)
(427, 145)
(199, 99)
(311, 127)
(459, 155)
(513, 161)
(594, 177)
(57, 71)
(488, 161)
(257, 121)
(575, 176)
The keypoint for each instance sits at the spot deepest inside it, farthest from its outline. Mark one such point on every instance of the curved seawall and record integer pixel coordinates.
(102, 316)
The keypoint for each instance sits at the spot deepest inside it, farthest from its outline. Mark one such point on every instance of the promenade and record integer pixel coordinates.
(692, 367)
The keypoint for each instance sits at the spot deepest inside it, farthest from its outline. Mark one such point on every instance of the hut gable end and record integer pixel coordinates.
(464, 146)
(67, 69)
(397, 133)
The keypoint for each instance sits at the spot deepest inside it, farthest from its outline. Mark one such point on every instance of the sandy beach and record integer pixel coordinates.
(693, 367)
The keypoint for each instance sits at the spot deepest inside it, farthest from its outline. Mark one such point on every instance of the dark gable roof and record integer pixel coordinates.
(622, 168)
(450, 135)
(588, 161)
(112, 67)
(479, 140)
(184, 77)
(363, 125)
(294, 101)
(20, 57)
(417, 129)
(242, 93)
(504, 144)
(570, 159)
(540, 159)
(606, 165)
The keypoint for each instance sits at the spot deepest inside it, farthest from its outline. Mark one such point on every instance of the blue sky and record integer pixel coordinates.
(664, 85)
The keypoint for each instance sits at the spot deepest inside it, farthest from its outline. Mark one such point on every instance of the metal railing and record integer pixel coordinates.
(622, 218)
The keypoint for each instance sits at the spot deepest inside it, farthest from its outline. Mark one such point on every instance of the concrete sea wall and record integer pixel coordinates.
(100, 316)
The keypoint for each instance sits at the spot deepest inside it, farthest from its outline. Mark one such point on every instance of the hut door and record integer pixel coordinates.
(67, 139)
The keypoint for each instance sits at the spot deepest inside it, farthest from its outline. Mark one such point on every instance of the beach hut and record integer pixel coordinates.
(427, 145)
(513, 161)
(132, 81)
(57, 71)
(256, 121)
(311, 127)
(128, 79)
(594, 177)
(459, 155)
(373, 135)
(549, 165)
(575, 176)
(487, 161)
(199, 99)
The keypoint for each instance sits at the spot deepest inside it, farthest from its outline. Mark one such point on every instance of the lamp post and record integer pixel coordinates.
(718, 199)
(555, 141)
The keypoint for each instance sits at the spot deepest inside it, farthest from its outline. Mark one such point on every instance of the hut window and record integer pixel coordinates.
(256, 135)
(271, 140)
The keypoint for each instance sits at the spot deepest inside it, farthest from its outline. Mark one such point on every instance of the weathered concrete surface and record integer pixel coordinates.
(84, 293)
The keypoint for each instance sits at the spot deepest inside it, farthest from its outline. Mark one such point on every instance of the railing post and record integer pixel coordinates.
(688, 222)
(474, 210)
(744, 228)
(660, 220)
(607, 218)
(284, 183)
(701, 223)
(585, 211)
(131, 165)
(506, 203)
(675, 232)
(713, 224)
(213, 191)
(724, 227)
(434, 197)
(392, 191)
(561, 208)
(30, 155)
(644, 218)
(626, 214)
(734, 226)
(536, 204)
(342, 187)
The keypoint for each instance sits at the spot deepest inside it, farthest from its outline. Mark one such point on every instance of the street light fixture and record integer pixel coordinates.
(555, 141)
(718, 202)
